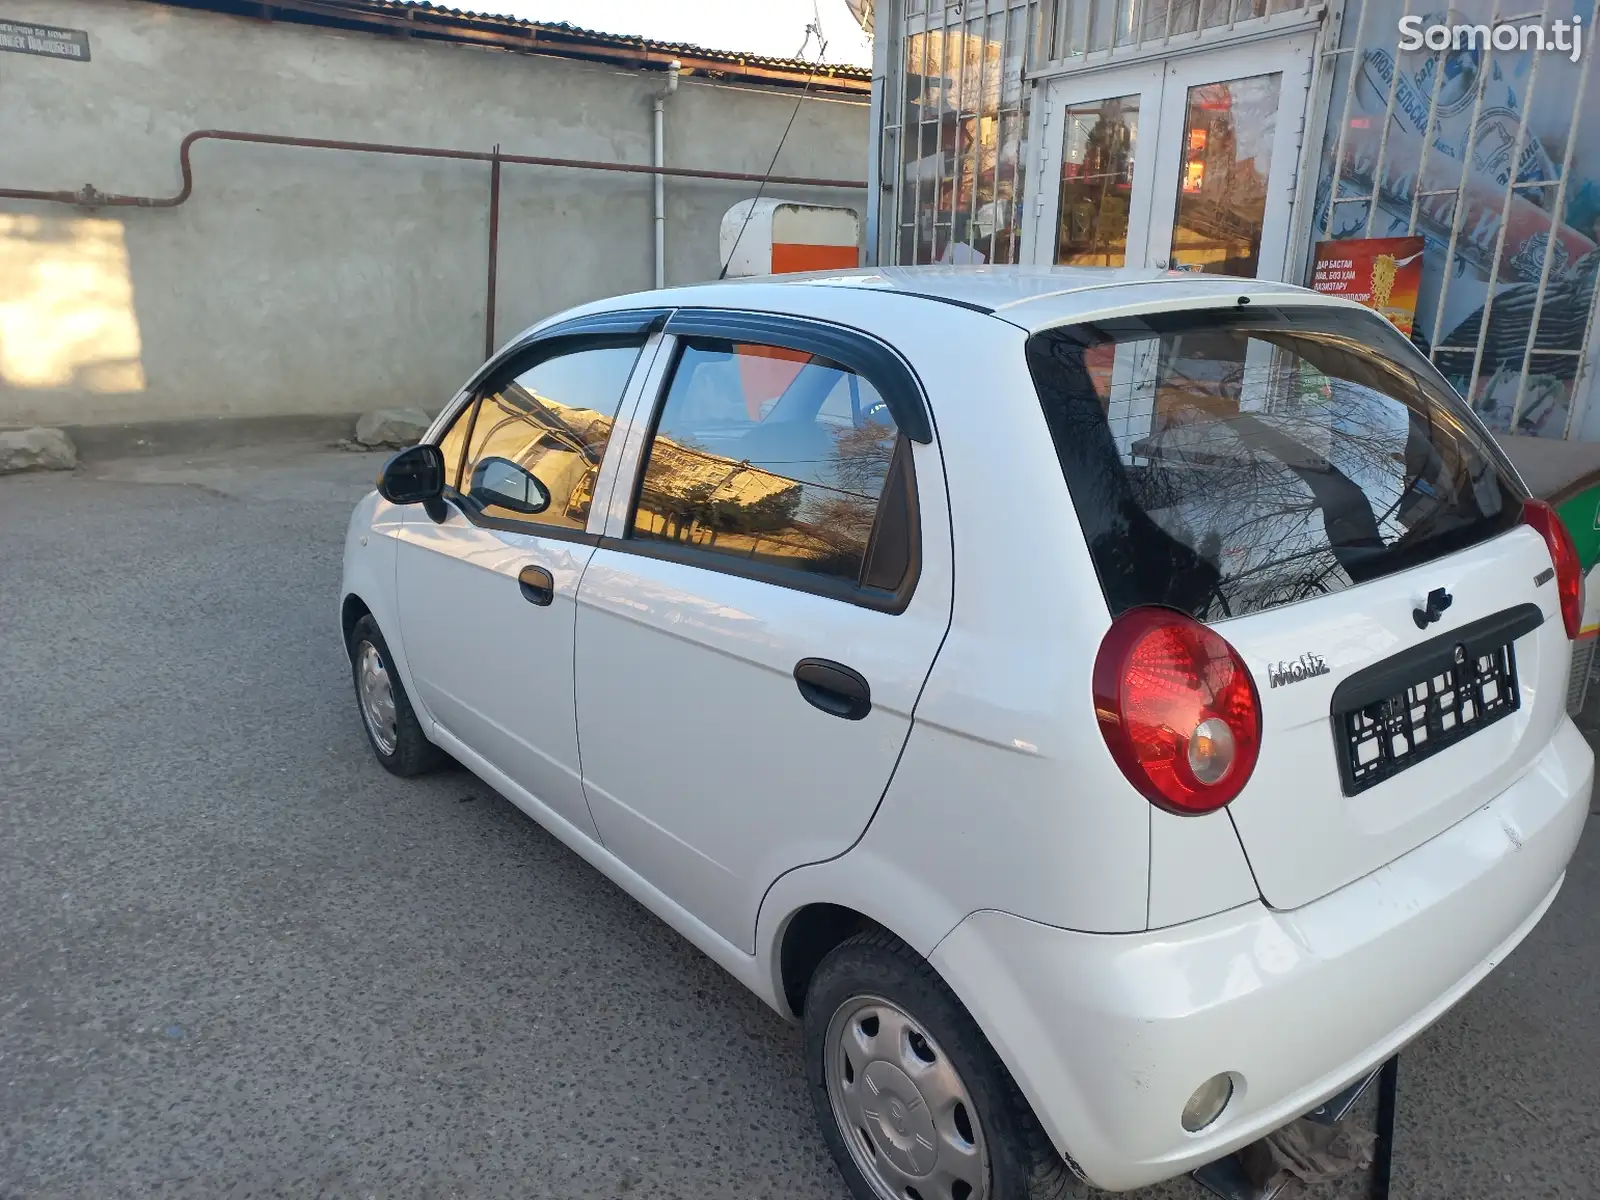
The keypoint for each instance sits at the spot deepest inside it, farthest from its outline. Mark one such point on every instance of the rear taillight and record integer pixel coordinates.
(1178, 710)
(1564, 556)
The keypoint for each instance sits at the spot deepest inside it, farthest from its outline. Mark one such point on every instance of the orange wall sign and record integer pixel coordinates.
(800, 256)
(1382, 273)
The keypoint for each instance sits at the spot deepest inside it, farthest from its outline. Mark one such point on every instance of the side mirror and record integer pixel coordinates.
(415, 476)
(504, 484)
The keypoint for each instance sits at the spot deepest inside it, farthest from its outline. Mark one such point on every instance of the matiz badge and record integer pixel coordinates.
(1307, 666)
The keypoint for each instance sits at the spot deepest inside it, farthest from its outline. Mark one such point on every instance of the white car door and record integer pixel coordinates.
(486, 596)
(755, 627)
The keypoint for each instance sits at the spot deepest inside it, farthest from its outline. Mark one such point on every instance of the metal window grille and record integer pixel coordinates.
(954, 112)
(1444, 144)
(1075, 29)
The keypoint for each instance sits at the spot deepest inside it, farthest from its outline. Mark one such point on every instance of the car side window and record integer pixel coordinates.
(533, 443)
(771, 456)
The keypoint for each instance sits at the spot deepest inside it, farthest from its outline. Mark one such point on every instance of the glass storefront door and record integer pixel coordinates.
(1185, 163)
(1094, 206)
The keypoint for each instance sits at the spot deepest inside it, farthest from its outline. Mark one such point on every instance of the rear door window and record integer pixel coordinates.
(767, 456)
(1233, 460)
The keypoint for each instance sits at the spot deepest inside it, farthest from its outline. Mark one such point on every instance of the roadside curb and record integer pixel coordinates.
(205, 434)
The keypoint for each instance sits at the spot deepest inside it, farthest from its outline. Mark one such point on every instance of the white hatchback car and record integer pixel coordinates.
(1113, 712)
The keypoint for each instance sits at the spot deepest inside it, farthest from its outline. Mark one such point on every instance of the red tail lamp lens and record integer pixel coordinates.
(1178, 710)
(1564, 556)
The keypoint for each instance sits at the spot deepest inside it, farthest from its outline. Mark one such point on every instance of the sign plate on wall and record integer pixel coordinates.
(24, 38)
(1382, 273)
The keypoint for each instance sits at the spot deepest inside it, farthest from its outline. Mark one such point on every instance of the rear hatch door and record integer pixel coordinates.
(1407, 731)
(1300, 478)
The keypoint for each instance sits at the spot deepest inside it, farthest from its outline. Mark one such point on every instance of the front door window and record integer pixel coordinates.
(1228, 131)
(542, 434)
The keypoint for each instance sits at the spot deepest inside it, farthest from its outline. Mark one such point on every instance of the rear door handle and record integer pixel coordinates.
(833, 687)
(538, 586)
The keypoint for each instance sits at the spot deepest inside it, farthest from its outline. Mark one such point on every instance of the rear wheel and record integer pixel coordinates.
(392, 728)
(912, 1099)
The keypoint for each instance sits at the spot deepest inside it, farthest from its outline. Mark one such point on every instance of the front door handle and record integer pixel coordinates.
(833, 687)
(538, 586)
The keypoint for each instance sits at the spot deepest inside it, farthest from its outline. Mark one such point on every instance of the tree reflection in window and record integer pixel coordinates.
(770, 455)
(1228, 469)
(553, 420)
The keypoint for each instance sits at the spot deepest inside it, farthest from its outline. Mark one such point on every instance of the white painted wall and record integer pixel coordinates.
(306, 281)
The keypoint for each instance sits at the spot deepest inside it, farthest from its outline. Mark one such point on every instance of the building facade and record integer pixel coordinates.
(179, 240)
(1234, 135)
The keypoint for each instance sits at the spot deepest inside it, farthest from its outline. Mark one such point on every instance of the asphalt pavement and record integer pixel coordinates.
(237, 958)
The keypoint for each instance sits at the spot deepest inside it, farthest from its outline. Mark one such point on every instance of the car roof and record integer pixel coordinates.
(1030, 297)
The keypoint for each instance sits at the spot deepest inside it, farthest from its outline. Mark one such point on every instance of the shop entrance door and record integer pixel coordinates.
(1186, 162)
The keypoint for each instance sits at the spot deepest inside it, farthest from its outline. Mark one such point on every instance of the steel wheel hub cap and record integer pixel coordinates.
(903, 1110)
(376, 692)
(900, 1119)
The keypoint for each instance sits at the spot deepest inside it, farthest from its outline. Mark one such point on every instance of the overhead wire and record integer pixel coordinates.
(814, 27)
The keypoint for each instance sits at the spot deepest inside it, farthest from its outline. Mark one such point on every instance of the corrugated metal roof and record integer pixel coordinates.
(679, 49)
(420, 19)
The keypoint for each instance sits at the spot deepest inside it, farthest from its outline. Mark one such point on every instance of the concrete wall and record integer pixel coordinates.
(307, 281)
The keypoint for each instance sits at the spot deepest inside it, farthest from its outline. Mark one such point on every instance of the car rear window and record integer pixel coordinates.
(1227, 461)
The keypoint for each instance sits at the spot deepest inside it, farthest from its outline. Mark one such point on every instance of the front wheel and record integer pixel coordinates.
(912, 1099)
(392, 727)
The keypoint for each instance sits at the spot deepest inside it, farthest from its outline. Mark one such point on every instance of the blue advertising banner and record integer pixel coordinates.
(1461, 181)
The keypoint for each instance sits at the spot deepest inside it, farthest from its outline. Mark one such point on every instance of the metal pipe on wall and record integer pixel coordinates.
(659, 157)
(90, 197)
(494, 252)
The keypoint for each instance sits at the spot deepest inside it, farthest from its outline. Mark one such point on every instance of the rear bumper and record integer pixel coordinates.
(1109, 1035)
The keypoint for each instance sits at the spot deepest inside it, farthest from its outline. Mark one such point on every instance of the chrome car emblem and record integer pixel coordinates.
(1307, 666)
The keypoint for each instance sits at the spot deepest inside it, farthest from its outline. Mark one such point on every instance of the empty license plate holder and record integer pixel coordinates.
(1391, 716)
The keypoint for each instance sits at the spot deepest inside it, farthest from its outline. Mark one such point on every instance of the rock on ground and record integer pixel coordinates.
(36, 450)
(392, 427)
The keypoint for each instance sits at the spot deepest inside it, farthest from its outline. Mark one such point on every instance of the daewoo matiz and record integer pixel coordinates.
(1112, 712)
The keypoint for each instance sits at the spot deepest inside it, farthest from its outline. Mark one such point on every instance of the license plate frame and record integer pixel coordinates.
(1403, 711)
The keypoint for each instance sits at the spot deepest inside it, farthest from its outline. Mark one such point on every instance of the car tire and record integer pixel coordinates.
(877, 1013)
(393, 731)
